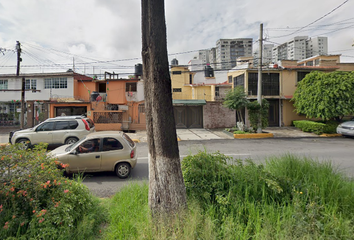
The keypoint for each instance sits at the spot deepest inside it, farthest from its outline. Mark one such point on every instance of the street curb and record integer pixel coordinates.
(331, 135)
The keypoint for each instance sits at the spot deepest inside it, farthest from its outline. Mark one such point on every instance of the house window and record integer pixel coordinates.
(177, 90)
(239, 80)
(217, 91)
(190, 79)
(141, 108)
(55, 83)
(3, 84)
(270, 84)
(230, 79)
(176, 72)
(130, 87)
(31, 84)
(301, 75)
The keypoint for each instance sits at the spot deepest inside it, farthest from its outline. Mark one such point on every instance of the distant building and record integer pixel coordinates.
(212, 57)
(300, 47)
(266, 55)
(203, 55)
(228, 50)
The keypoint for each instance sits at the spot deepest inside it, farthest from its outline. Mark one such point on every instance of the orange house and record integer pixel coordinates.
(113, 103)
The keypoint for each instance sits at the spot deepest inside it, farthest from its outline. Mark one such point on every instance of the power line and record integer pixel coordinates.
(313, 21)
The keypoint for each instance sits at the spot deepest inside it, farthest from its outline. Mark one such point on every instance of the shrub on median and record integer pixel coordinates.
(316, 127)
(36, 201)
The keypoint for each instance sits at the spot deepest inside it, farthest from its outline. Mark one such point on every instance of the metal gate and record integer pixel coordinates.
(188, 116)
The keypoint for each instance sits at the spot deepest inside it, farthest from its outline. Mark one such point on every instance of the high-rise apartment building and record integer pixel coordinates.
(228, 50)
(203, 55)
(299, 48)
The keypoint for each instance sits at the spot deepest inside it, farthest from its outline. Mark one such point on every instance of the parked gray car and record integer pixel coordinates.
(346, 128)
(54, 131)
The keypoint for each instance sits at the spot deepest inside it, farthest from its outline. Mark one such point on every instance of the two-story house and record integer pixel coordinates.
(114, 103)
(279, 83)
(40, 90)
(197, 93)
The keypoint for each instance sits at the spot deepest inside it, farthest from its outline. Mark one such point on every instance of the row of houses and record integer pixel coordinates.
(198, 91)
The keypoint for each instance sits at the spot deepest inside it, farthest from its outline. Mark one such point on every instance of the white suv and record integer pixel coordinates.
(55, 131)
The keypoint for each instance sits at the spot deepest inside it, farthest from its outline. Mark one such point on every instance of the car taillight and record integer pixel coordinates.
(132, 154)
(86, 125)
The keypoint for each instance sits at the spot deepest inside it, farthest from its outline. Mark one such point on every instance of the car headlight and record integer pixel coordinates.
(340, 125)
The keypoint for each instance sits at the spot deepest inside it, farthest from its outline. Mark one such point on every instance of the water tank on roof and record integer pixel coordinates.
(174, 62)
(208, 71)
(138, 69)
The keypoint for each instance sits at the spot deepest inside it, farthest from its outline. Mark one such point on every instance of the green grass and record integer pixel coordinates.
(288, 197)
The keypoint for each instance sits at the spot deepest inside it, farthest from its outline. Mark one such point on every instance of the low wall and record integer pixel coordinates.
(215, 115)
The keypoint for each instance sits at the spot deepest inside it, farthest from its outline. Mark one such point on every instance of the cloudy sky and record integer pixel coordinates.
(105, 35)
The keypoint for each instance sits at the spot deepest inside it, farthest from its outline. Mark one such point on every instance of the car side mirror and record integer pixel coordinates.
(74, 152)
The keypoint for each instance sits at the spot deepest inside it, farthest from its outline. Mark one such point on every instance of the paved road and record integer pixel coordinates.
(337, 150)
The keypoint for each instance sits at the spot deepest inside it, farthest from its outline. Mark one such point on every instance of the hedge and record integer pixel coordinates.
(316, 127)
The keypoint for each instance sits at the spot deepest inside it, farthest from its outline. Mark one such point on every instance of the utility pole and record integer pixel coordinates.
(259, 86)
(19, 60)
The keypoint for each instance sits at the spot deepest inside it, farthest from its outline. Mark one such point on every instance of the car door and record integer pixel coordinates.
(112, 151)
(86, 161)
(60, 131)
(43, 133)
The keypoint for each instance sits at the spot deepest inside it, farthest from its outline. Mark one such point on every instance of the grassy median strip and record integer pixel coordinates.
(288, 197)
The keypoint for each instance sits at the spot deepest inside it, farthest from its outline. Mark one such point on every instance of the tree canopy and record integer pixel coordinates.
(325, 95)
(236, 99)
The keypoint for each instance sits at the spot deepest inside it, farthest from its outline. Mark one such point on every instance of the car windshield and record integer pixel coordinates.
(74, 145)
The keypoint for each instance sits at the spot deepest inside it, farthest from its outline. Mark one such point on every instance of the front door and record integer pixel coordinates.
(273, 117)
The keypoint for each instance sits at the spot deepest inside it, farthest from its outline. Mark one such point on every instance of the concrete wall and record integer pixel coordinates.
(217, 116)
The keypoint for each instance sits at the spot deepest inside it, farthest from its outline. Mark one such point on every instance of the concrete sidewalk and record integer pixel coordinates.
(195, 134)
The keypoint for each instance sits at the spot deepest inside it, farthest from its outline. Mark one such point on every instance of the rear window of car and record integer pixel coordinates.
(128, 140)
(90, 122)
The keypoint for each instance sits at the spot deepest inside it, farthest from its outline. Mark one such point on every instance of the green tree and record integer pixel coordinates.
(325, 95)
(236, 99)
(254, 110)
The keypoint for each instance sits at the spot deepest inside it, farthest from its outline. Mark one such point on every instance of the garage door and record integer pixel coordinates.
(188, 116)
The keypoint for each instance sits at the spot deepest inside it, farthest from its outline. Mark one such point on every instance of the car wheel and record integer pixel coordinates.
(24, 143)
(123, 170)
(71, 140)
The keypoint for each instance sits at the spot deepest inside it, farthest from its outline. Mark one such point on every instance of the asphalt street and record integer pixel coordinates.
(339, 151)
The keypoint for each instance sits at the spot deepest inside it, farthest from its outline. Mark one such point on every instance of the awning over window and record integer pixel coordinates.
(188, 102)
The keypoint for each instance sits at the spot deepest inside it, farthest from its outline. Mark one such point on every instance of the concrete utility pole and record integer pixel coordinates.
(19, 60)
(259, 87)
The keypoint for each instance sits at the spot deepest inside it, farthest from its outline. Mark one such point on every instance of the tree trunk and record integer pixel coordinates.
(167, 193)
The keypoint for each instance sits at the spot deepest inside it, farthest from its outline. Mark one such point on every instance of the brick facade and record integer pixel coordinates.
(217, 116)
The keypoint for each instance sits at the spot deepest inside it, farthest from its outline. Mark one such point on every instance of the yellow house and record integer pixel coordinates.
(197, 99)
(184, 86)
(279, 84)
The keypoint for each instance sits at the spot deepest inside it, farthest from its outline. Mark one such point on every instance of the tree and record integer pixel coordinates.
(236, 99)
(167, 192)
(325, 95)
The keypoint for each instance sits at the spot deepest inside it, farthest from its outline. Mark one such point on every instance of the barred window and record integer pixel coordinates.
(31, 84)
(177, 90)
(55, 83)
(270, 84)
(130, 87)
(3, 84)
